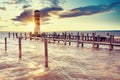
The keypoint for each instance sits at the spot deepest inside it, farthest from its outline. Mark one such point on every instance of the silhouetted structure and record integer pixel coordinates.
(37, 22)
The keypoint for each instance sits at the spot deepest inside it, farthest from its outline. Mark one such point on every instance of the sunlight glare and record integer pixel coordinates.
(31, 26)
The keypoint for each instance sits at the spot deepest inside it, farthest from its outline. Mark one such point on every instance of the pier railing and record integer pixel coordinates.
(79, 38)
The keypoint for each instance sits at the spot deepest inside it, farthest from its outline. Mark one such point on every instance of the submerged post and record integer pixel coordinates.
(110, 45)
(5, 44)
(93, 36)
(98, 39)
(20, 49)
(9, 34)
(46, 52)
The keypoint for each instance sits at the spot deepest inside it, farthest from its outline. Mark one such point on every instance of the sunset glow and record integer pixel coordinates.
(17, 15)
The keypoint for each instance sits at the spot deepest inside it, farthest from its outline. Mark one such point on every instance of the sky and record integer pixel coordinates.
(60, 15)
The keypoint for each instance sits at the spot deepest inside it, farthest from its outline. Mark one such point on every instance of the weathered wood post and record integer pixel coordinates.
(9, 34)
(5, 44)
(25, 36)
(69, 36)
(98, 39)
(16, 35)
(46, 52)
(65, 41)
(20, 47)
(59, 36)
(93, 36)
(87, 37)
(49, 37)
(110, 45)
(82, 39)
(54, 36)
(30, 35)
(78, 38)
(13, 35)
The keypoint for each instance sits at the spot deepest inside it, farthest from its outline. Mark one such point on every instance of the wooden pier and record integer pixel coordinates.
(69, 38)
(81, 39)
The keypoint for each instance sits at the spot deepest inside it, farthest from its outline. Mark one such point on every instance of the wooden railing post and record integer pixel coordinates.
(93, 36)
(30, 35)
(5, 44)
(78, 38)
(82, 37)
(20, 47)
(110, 45)
(69, 36)
(65, 41)
(87, 37)
(9, 34)
(98, 39)
(46, 52)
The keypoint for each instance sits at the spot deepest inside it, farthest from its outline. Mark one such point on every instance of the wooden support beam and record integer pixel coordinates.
(46, 52)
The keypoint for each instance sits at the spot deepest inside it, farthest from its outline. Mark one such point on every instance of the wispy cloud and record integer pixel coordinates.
(27, 15)
(89, 10)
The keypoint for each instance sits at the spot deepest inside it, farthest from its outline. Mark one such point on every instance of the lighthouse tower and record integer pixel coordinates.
(37, 22)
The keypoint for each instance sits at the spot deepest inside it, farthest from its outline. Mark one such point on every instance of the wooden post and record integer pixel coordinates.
(65, 38)
(25, 36)
(98, 39)
(9, 34)
(78, 38)
(69, 39)
(110, 45)
(5, 44)
(87, 37)
(13, 35)
(82, 37)
(93, 36)
(16, 35)
(20, 48)
(46, 52)
(30, 35)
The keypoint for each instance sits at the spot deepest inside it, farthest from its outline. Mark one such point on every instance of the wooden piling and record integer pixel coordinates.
(20, 48)
(93, 36)
(9, 34)
(46, 52)
(13, 35)
(16, 35)
(25, 36)
(69, 37)
(30, 35)
(65, 41)
(78, 38)
(87, 37)
(5, 44)
(82, 39)
(98, 39)
(110, 45)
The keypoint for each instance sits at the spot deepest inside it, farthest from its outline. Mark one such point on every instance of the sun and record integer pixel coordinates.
(31, 26)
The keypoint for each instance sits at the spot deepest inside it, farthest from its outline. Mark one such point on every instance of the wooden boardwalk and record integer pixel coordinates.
(79, 38)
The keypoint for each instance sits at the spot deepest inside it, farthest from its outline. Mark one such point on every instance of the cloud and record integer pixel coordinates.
(27, 15)
(2, 8)
(26, 6)
(89, 10)
(53, 3)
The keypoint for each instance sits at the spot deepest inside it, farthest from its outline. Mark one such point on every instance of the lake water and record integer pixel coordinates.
(65, 62)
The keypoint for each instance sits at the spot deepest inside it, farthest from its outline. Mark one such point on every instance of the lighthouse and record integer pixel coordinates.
(37, 22)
